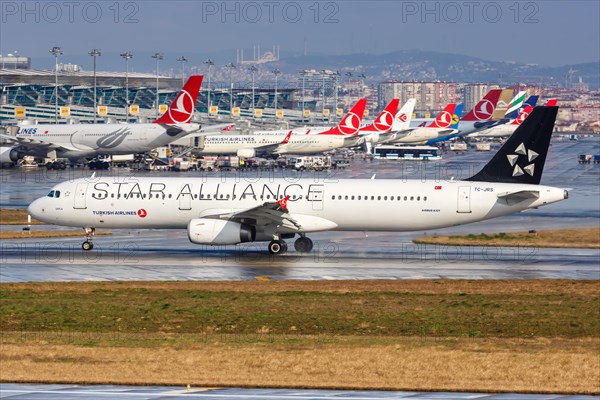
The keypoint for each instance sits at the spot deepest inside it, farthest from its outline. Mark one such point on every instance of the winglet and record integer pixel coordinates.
(283, 202)
(287, 138)
(182, 108)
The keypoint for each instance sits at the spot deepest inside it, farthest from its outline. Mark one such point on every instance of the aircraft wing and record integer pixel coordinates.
(512, 198)
(267, 214)
(37, 143)
(212, 130)
(386, 137)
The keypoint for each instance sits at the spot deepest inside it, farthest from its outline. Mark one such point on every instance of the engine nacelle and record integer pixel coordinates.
(246, 153)
(218, 231)
(10, 154)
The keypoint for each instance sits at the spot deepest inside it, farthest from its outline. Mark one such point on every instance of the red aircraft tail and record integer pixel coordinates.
(383, 122)
(485, 108)
(444, 119)
(350, 124)
(182, 108)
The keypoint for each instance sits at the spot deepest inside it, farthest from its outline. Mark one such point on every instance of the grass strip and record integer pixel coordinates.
(585, 238)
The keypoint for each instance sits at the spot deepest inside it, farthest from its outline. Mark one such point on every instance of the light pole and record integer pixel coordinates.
(127, 56)
(276, 72)
(324, 74)
(182, 60)
(95, 53)
(210, 64)
(336, 78)
(303, 72)
(158, 57)
(231, 67)
(253, 70)
(362, 85)
(56, 51)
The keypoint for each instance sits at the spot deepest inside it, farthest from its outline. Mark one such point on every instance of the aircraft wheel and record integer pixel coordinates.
(87, 245)
(303, 245)
(277, 247)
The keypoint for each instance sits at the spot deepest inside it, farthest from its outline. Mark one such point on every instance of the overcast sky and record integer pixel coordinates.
(546, 32)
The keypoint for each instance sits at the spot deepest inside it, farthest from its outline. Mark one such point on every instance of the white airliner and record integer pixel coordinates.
(439, 127)
(76, 141)
(508, 128)
(345, 134)
(390, 124)
(228, 211)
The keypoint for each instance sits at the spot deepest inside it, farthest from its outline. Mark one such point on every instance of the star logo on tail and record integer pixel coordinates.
(513, 159)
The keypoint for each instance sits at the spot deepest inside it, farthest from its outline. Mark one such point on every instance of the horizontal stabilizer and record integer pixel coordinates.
(512, 198)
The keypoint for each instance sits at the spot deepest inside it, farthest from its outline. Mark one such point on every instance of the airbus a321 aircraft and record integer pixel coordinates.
(76, 141)
(228, 211)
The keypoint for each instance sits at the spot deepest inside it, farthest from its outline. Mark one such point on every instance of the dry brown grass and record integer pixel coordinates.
(12, 216)
(541, 286)
(559, 366)
(586, 238)
(44, 234)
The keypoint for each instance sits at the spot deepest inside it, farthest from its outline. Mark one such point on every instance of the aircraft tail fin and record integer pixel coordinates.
(385, 119)
(456, 116)
(350, 123)
(522, 116)
(521, 159)
(444, 119)
(531, 101)
(182, 108)
(485, 108)
(551, 102)
(404, 116)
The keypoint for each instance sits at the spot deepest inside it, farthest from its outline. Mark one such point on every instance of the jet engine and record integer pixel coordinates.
(10, 154)
(217, 231)
(246, 153)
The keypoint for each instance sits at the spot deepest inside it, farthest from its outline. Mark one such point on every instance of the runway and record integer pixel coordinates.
(168, 255)
(68, 392)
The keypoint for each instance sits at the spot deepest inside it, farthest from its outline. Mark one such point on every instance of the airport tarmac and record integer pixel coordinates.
(68, 392)
(168, 255)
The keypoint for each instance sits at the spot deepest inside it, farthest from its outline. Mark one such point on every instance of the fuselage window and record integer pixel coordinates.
(358, 197)
(385, 197)
(339, 197)
(332, 197)
(378, 197)
(405, 198)
(345, 197)
(170, 195)
(112, 195)
(195, 196)
(418, 198)
(412, 198)
(372, 197)
(425, 198)
(352, 198)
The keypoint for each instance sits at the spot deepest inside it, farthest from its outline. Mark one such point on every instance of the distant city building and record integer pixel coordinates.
(431, 96)
(473, 92)
(11, 61)
(257, 56)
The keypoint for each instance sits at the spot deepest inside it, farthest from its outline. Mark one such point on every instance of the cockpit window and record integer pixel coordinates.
(57, 194)
(51, 194)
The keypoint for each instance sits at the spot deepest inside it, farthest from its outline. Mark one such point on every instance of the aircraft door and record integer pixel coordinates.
(80, 192)
(185, 199)
(316, 196)
(464, 199)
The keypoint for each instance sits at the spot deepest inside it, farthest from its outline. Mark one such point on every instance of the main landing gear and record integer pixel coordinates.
(302, 245)
(89, 234)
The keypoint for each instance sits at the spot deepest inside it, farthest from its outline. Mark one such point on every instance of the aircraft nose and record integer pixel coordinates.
(37, 209)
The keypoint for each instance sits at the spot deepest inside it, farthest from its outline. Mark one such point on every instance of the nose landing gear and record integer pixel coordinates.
(89, 234)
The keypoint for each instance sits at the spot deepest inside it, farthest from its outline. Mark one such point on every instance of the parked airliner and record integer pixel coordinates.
(228, 211)
(76, 141)
(345, 134)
